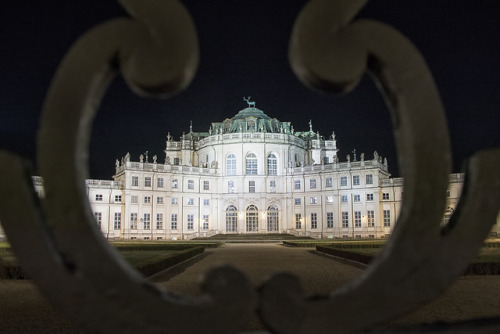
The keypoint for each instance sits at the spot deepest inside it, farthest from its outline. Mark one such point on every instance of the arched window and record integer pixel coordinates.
(272, 219)
(231, 164)
(251, 125)
(272, 165)
(252, 218)
(251, 164)
(231, 219)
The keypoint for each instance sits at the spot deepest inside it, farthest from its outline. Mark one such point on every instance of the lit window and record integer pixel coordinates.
(251, 164)
(272, 165)
(298, 221)
(133, 221)
(147, 221)
(329, 199)
(329, 182)
(231, 164)
(343, 181)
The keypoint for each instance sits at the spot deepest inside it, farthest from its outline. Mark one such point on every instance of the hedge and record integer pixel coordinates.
(157, 266)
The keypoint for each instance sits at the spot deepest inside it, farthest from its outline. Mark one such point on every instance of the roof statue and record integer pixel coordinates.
(251, 104)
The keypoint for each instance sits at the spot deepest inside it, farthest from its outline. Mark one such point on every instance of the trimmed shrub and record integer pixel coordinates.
(149, 269)
(332, 250)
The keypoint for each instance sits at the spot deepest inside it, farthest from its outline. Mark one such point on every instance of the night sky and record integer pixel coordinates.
(243, 47)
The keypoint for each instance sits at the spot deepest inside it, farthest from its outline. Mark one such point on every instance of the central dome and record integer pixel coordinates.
(250, 112)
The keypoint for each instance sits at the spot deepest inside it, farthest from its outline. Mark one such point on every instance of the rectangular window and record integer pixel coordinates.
(357, 218)
(174, 200)
(135, 181)
(190, 201)
(230, 186)
(118, 198)
(159, 221)
(147, 199)
(173, 221)
(329, 219)
(297, 184)
(355, 180)
(385, 196)
(298, 221)
(357, 198)
(98, 218)
(133, 221)
(205, 222)
(98, 197)
(272, 186)
(344, 198)
(177, 161)
(191, 184)
(206, 185)
(369, 179)
(345, 219)
(312, 183)
(343, 181)
(251, 186)
(118, 221)
(371, 218)
(297, 201)
(314, 221)
(134, 199)
(159, 200)
(314, 200)
(206, 202)
(369, 197)
(387, 218)
(147, 221)
(329, 199)
(147, 181)
(175, 183)
(159, 182)
(190, 222)
(329, 182)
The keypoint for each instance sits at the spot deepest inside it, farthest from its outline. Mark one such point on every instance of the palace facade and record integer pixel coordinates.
(250, 174)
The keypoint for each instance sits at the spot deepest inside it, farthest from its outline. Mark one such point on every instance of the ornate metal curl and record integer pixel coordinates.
(330, 53)
(157, 53)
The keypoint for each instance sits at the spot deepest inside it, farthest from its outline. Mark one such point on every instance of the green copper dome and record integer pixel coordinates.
(250, 112)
